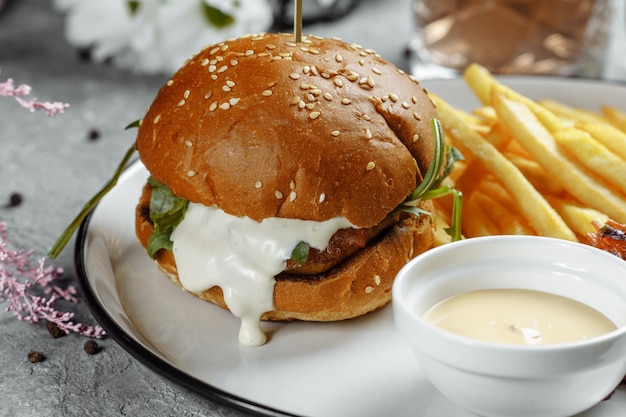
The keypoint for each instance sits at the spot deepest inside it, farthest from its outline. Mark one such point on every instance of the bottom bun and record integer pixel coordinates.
(360, 284)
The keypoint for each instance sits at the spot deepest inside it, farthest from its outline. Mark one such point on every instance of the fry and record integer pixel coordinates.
(573, 114)
(579, 218)
(508, 222)
(594, 156)
(616, 117)
(541, 144)
(541, 216)
(609, 136)
(537, 175)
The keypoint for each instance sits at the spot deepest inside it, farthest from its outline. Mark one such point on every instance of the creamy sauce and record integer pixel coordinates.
(242, 256)
(519, 317)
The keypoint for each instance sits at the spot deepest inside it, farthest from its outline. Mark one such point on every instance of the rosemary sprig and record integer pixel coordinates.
(69, 231)
(431, 187)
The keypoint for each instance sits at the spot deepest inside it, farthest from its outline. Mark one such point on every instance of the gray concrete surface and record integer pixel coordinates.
(55, 167)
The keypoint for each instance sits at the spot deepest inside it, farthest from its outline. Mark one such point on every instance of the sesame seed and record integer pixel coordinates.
(335, 133)
(191, 173)
(204, 62)
(212, 68)
(233, 62)
(405, 105)
(310, 97)
(284, 54)
(258, 185)
(414, 100)
(304, 86)
(157, 118)
(352, 76)
(225, 106)
(376, 71)
(208, 95)
(322, 198)
(292, 196)
(234, 101)
(369, 289)
(338, 82)
(314, 115)
(278, 194)
(338, 58)
(314, 71)
(292, 44)
(416, 137)
(222, 68)
(292, 185)
(371, 82)
(366, 118)
(226, 88)
(294, 76)
(270, 46)
(170, 82)
(263, 54)
(230, 83)
(249, 52)
(181, 103)
(328, 96)
(377, 279)
(361, 62)
(276, 58)
(224, 47)
(213, 106)
(417, 116)
(213, 77)
(310, 106)
(368, 134)
(214, 50)
(393, 97)
(326, 75)
(370, 166)
(346, 101)
(189, 143)
(266, 93)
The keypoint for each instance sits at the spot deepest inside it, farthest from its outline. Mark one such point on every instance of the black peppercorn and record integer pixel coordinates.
(91, 347)
(34, 356)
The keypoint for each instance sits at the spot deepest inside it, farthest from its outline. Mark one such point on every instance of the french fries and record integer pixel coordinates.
(534, 167)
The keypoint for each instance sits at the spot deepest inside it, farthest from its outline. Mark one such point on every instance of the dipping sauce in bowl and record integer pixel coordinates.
(518, 316)
(517, 274)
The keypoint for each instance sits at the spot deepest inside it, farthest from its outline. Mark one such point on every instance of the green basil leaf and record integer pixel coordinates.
(166, 212)
(300, 253)
(159, 241)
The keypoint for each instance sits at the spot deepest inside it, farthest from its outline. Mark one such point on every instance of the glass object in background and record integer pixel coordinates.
(566, 37)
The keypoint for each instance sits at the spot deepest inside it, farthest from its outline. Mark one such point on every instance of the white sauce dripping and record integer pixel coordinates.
(242, 256)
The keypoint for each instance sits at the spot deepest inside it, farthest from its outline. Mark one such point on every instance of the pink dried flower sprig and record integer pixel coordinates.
(27, 306)
(8, 89)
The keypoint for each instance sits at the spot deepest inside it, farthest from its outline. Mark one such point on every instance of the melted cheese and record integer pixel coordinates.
(242, 256)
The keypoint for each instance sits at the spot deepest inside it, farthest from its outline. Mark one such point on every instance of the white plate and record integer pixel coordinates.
(354, 368)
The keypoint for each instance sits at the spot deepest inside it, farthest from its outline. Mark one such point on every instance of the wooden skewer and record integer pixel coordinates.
(297, 20)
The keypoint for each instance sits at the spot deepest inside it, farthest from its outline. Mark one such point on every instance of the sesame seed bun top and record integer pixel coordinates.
(262, 126)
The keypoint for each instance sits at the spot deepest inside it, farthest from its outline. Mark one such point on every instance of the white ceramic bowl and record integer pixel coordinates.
(492, 379)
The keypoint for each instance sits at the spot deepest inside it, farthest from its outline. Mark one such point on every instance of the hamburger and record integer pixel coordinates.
(276, 172)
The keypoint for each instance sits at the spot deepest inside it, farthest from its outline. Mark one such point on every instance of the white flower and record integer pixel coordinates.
(153, 36)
